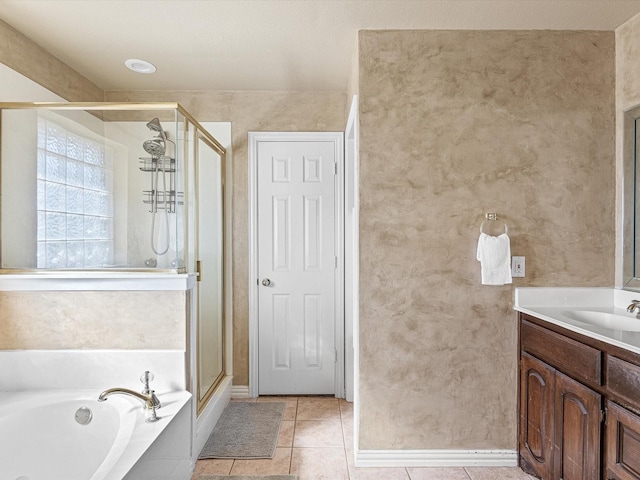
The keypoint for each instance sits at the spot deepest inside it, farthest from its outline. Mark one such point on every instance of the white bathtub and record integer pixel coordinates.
(40, 438)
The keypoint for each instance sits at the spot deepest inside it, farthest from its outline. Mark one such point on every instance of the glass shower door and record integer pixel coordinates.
(209, 167)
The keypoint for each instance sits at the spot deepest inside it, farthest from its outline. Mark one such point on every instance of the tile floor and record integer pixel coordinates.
(316, 443)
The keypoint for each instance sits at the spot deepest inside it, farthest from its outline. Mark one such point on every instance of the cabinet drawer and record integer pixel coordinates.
(622, 443)
(623, 380)
(573, 358)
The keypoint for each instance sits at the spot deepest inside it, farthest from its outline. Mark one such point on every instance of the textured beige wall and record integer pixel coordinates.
(454, 124)
(628, 64)
(249, 111)
(627, 96)
(93, 320)
(31, 60)
(354, 77)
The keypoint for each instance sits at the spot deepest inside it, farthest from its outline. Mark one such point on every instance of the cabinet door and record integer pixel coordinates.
(536, 416)
(577, 421)
(623, 443)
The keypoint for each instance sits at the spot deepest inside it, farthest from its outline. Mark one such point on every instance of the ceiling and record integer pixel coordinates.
(302, 45)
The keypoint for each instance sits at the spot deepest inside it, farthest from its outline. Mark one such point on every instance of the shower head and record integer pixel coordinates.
(154, 126)
(155, 147)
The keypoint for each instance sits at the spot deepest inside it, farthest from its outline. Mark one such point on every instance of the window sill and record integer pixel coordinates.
(95, 281)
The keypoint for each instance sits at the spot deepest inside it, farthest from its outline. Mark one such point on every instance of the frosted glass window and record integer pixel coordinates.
(55, 168)
(56, 226)
(75, 227)
(56, 255)
(75, 173)
(75, 254)
(75, 146)
(41, 164)
(55, 197)
(75, 199)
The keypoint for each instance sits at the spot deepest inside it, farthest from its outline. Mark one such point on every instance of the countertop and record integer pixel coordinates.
(551, 305)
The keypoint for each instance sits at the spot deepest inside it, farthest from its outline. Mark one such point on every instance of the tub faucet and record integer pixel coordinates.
(147, 397)
(635, 305)
(151, 402)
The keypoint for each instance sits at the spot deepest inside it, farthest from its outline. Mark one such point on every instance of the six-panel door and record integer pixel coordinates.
(297, 263)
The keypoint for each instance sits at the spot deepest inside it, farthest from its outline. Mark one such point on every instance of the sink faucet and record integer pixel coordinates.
(147, 397)
(635, 305)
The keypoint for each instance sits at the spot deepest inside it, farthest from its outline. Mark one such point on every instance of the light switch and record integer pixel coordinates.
(517, 266)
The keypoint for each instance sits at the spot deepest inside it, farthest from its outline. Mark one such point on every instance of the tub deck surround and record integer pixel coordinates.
(556, 305)
(118, 430)
(91, 369)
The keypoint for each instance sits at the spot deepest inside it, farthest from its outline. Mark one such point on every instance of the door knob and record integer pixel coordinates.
(266, 282)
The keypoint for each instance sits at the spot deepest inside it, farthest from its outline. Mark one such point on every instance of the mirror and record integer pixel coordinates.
(631, 200)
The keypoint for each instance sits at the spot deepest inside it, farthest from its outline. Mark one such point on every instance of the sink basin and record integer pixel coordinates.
(612, 321)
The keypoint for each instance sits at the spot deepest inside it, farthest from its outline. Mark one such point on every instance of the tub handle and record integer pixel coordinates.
(145, 378)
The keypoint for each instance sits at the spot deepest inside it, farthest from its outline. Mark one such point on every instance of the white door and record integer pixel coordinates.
(297, 251)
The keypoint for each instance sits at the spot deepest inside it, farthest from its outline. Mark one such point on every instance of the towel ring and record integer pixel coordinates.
(491, 223)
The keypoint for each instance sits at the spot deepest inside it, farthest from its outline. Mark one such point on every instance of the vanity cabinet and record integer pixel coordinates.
(577, 421)
(623, 443)
(559, 424)
(537, 381)
(579, 405)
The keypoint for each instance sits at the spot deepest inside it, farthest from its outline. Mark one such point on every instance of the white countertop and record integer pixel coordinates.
(549, 304)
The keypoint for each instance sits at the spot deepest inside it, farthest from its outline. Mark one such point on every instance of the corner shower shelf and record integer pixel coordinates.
(150, 164)
(161, 199)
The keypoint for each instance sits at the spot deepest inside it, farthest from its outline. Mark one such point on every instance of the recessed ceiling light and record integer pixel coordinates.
(140, 66)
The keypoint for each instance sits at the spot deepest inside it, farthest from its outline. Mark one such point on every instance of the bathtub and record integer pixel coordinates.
(40, 438)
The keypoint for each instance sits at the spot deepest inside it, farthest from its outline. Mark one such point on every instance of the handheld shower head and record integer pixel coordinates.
(154, 126)
(154, 147)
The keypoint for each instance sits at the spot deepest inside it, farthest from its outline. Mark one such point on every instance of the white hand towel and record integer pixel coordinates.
(494, 254)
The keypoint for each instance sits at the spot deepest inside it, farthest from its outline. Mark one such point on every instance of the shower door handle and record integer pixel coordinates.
(266, 282)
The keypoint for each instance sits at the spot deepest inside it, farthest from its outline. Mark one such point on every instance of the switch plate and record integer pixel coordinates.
(517, 266)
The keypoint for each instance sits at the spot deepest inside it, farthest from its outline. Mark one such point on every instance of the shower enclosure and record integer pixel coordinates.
(95, 189)
(100, 186)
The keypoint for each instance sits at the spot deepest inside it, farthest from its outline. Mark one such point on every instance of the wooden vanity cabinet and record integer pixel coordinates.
(537, 380)
(579, 405)
(559, 424)
(577, 421)
(623, 443)
(623, 426)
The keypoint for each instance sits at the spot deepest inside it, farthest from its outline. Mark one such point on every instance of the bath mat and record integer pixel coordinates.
(247, 477)
(245, 430)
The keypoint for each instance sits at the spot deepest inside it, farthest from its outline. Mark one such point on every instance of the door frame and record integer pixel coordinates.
(254, 139)
(352, 255)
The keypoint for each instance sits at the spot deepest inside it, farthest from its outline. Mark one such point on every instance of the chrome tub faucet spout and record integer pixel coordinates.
(147, 397)
(635, 305)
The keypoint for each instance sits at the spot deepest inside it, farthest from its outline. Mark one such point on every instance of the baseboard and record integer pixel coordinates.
(436, 458)
(240, 391)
